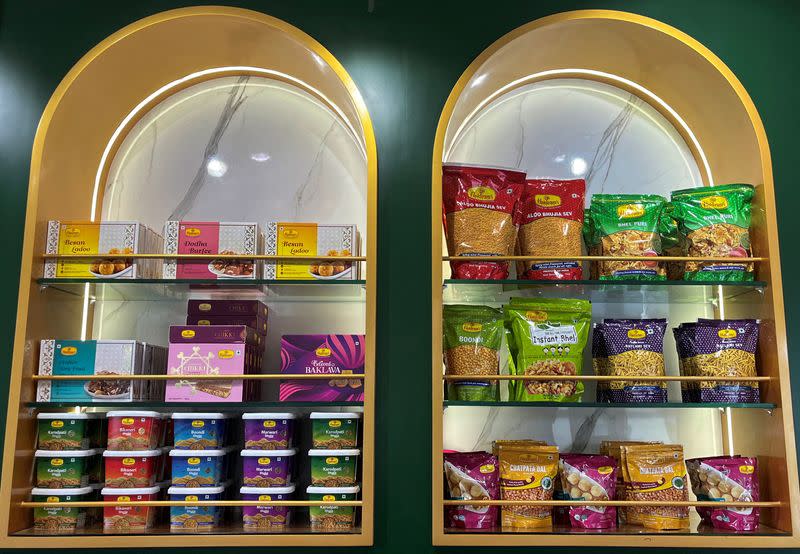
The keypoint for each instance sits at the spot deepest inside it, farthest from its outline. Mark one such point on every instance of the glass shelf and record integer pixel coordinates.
(694, 529)
(229, 529)
(267, 290)
(456, 290)
(642, 405)
(194, 405)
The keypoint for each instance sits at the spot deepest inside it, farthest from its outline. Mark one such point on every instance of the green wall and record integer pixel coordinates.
(405, 56)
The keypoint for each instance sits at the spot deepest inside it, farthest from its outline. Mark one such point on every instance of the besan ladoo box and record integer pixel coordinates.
(208, 238)
(334, 355)
(311, 239)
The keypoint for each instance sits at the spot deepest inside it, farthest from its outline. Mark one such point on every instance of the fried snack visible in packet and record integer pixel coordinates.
(527, 473)
(589, 477)
(471, 476)
(656, 472)
(729, 479)
(472, 339)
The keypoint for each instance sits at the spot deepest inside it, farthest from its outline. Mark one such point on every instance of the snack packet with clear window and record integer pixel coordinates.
(471, 476)
(589, 477)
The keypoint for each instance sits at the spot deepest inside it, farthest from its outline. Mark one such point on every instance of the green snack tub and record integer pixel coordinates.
(62, 469)
(332, 518)
(57, 517)
(59, 431)
(334, 468)
(334, 429)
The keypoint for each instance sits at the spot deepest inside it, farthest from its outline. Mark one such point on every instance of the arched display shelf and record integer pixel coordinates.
(631, 105)
(145, 127)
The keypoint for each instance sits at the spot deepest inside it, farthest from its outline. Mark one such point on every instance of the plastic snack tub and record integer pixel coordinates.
(332, 518)
(62, 469)
(268, 431)
(334, 468)
(334, 429)
(131, 469)
(267, 468)
(194, 518)
(263, 519)
(199, 431)
(59, 518)
(197, 468)
(129, 518)
(62, 431)
(133, 430)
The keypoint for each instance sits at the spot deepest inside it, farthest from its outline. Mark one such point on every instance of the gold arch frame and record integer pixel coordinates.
(231, 40)
(778, 445)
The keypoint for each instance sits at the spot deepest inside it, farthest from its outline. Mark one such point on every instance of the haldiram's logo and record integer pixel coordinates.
(193, 461)
(323, 352)
(204, 322)
(547, 200)
(328, 498)
(198, 423)
(56, 424)
(726, 333)
(332, 460)
(746, 470)
(334, 423)
(192, 232)
(205, 307)
(52, 499)
(472, 327)
(264, 498)
(187, 333)
(128, 461)
(487, 468)
(127, 421)
(636, 334)
(482, 194)
(72, 231)
(290, 233)
(264, 461)
(714, 202)
(123, 499)
(536, 315)
(605, 470)
(225, 354)
(56, 462)
(630, 211)
(69, 351)
(190, 498)
(269, 424)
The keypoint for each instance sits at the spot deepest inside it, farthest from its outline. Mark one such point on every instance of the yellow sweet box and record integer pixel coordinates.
(311, 239)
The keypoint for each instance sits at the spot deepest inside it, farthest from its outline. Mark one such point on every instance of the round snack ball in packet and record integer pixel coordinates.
(472, 339)
(547, 337)
(478, 205)
(731, 479)
(550, 219)
(589, 477)
(627, 225)
(715, 222)
(471, 476)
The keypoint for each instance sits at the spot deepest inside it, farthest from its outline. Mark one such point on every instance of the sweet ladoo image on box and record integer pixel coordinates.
(208, 238)
(212, 350)
(311, 239)
(334, 355)
(111, 240)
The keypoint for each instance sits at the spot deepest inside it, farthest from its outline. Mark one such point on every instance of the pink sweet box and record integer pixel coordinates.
(212, 350)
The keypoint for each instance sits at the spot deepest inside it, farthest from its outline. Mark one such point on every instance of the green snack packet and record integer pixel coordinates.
(715, 221)
(472, 337)
(627, 225)
(548, 336)
(670, 242)
(592, 243)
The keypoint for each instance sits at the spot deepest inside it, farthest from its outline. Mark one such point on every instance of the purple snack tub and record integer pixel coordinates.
(265, 518)
(334, 355)
(268, 431)
(267, 468)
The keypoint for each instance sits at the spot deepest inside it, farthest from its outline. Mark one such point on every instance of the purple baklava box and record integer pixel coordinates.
(227, 307)
(334, 355)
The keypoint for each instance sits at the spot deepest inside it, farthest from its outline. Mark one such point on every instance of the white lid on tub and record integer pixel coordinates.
(269, 415)
(199, 415)
(195, 490)
(62, 416)
(191, 453)
(63, 453)
(95, 415)
(328, 452)
(109, 491)
(335, 415)
(288, 489)
(287, 452)
(333, 490)
(61, 492)
(130, 453)
(132, 413)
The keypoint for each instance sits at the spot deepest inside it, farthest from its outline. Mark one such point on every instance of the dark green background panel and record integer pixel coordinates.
(405, 57)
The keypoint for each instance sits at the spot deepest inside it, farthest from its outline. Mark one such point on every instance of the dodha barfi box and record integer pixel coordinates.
(334, 355)
(311, 239)
(89, 357)
(213, 350)
(208, 238)
(111, 240)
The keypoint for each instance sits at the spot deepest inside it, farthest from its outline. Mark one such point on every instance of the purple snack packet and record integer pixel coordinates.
(589, 477)
(471, 476)
(619, 337)
(334, 355)
(729, 479)
(720, 348)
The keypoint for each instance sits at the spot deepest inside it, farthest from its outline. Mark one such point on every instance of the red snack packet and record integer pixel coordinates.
(478, 206)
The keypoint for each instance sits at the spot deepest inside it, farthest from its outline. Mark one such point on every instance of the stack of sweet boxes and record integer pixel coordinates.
(221, 337)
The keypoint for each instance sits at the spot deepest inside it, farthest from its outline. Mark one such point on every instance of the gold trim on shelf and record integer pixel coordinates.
(179, 503)
(206, 257)
(231, 377)
(619, 503)
(484, 377)
(597, 259)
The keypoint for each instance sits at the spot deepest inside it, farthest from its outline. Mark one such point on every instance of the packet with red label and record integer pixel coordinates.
(478, 206)
(550, 219)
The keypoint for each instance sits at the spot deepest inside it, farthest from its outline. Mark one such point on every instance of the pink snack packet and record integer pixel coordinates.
(589, 477)
(726, 479)
(471, 476)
